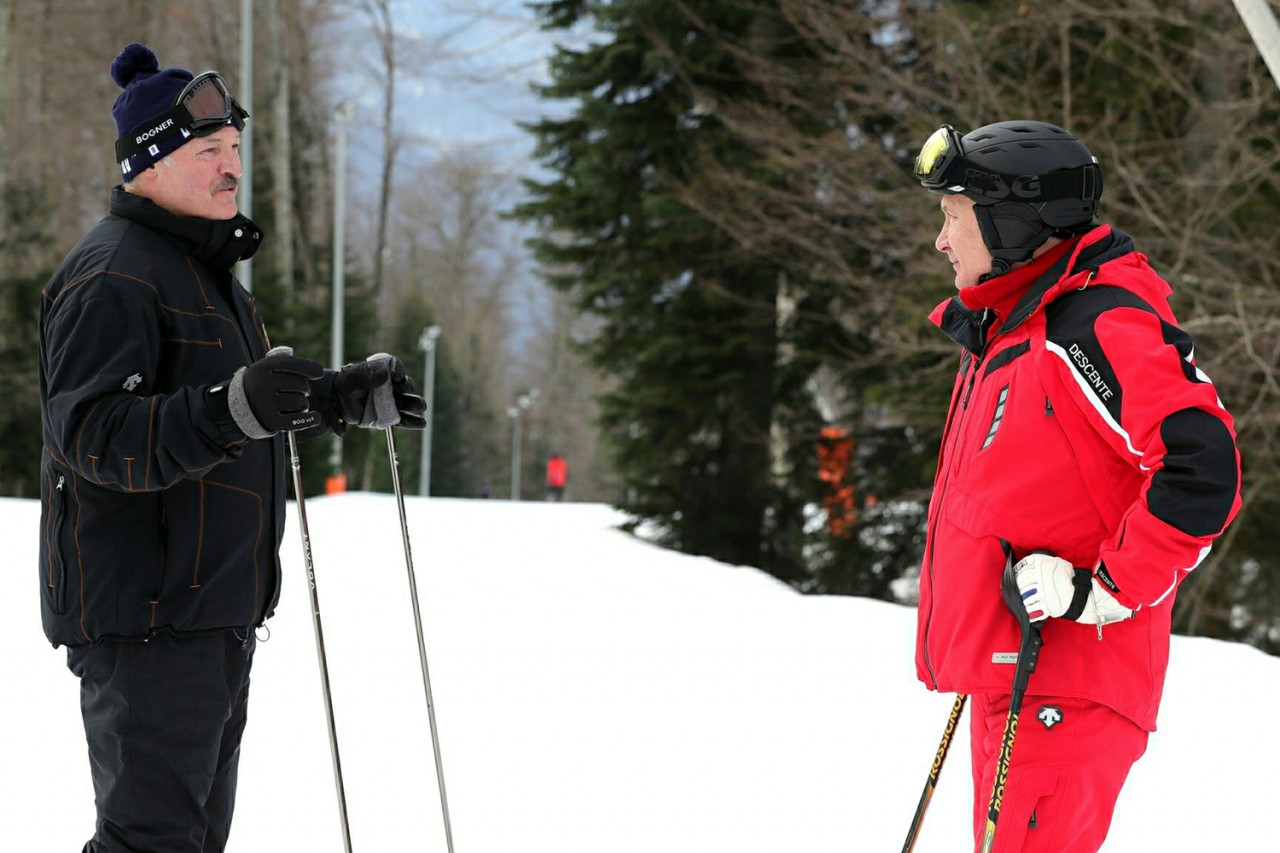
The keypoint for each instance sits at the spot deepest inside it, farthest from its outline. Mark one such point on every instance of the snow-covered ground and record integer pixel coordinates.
(596, 694)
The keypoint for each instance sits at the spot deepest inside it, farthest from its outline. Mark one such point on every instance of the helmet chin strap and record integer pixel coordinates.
(998, 268)
(1012, 232)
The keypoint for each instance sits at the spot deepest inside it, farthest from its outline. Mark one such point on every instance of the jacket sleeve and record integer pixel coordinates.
(1131, 371)
(100, 356)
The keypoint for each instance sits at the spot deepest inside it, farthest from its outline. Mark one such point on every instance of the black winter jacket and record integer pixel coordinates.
(157, 512)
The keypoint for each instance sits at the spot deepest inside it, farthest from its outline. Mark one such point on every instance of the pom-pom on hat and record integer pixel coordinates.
(148, 93)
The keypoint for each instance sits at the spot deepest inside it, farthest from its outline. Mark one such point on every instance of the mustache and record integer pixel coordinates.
(227, 183)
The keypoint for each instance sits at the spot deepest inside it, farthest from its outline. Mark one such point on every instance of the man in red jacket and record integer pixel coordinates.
(557, 477)
(1083, 443)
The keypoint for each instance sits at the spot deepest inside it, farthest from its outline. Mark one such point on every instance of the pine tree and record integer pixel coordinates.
(831, 202)
(689, 325)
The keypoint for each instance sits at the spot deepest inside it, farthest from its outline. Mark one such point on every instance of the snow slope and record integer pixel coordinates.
(596, 694)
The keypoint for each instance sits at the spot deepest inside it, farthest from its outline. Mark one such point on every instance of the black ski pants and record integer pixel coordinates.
(164, 720)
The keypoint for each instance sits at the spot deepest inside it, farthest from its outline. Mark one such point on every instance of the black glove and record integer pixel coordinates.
(274, 394)
(376, 393)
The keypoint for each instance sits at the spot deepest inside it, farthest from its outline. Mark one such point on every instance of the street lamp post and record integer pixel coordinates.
(523, 403)
(514, 414)
(341, 116)
(428, 345)
(244, 268)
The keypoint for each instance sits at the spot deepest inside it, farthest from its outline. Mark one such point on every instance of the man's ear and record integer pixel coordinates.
(144, 181)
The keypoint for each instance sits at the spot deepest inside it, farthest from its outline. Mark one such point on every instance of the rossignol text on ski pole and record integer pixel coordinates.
(319, 631)
(932, 782)
(422, 648)
(1028, 652)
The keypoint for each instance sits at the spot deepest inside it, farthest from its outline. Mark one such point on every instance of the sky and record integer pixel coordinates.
(466, 72)
(467, 68)
(597, 694)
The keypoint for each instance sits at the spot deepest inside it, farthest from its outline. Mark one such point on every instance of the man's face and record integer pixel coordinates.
(961, 241)
(201, 178)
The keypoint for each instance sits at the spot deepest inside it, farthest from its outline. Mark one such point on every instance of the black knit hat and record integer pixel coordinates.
(148, 93)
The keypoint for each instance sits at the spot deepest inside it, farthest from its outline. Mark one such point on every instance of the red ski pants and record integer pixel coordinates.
(1070, 760)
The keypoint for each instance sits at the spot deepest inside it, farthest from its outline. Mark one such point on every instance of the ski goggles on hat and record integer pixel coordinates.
(210, 104)
(204, 105)
(936, 157)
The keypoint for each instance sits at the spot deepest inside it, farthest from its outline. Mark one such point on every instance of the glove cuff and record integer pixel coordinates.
(238, 403)
(227, 432)
(1082, 580)
(380, 410)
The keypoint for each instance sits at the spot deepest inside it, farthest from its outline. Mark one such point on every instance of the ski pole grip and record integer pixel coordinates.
(1013, 596)
(381, 410)
(1029, 651)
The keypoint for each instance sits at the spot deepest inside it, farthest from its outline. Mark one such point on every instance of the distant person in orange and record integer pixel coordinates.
(557, 475)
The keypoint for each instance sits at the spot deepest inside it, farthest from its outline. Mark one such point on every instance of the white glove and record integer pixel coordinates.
(1048, 585)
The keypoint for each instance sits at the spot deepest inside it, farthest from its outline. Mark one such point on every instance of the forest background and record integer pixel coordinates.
(700, 242)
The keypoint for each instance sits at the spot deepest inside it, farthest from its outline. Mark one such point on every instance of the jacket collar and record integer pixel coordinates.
(217, 243)
(1018, 294)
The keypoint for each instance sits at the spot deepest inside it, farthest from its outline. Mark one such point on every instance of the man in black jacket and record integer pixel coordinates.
(163, 483)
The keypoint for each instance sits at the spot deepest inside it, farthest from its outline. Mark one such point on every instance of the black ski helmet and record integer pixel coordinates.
(1030, 180)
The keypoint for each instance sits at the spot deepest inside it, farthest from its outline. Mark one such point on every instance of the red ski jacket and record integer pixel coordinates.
(557, 472)
(1079, 425)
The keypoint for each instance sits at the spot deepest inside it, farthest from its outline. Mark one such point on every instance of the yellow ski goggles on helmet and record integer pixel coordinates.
(937, 154)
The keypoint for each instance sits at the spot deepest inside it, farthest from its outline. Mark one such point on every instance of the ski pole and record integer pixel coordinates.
(422, 648)
(932, 782)
(1028, 652)
(319, 631)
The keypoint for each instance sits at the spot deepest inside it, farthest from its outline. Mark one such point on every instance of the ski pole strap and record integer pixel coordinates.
(380, 410)
(1082, 580)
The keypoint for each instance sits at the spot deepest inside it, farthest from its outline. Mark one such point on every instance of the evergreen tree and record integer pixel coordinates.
(690, 327)
(24, 244)
(826, 203)
(20, 436)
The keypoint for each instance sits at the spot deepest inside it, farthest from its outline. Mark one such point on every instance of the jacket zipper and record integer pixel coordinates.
(57, 567)
(968, 388)
(954, 419)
